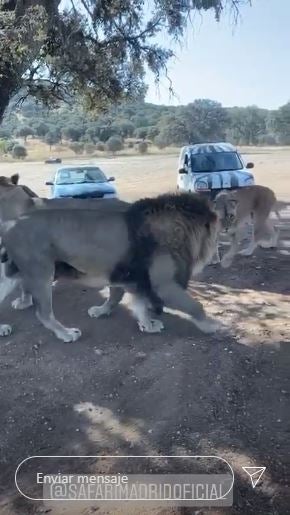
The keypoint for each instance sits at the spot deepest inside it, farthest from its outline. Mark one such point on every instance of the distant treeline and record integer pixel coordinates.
(200, 121)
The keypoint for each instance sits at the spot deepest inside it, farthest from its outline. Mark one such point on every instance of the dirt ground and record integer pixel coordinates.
(117, 391)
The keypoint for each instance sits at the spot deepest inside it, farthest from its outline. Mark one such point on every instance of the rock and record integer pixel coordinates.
(141, 354)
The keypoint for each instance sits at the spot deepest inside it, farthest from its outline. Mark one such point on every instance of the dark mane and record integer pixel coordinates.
(191, 205)
(135, 268)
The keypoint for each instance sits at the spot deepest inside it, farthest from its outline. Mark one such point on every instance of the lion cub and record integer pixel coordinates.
(251, 203)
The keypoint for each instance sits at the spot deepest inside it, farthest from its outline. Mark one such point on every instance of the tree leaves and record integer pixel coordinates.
(98, 49)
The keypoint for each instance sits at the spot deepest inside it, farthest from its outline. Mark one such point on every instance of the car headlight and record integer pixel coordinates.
(201, 185)
(250, 180)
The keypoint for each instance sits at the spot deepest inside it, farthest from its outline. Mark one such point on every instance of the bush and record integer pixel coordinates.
(5, 134)
(114, 144)
(140, 133)
(2, 147)
(10, 144)
(142, 147)
(41, 129)
(160, 141)
(89, 148)
(59, 148)
(284, 139)
(130, 144)
(72, 133)
(19, 152)
(100, 146)
(77, 147)
(52, 137)
(152, 132)
(267, 139)
(25, 131)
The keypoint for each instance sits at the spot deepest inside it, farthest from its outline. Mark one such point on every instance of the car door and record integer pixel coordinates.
(185, 176)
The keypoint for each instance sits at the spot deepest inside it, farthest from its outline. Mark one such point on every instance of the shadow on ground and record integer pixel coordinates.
(119, 391)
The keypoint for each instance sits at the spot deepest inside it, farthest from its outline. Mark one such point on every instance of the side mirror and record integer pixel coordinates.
(49, 183)
(182, 171)
(111, 179)
(250, 165)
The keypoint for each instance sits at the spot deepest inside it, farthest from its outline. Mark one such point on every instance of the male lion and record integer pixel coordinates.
(150, 250)
(251, 203)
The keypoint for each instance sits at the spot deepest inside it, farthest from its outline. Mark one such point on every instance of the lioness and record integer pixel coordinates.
(15, 200)
(150, 250)
(251, 203)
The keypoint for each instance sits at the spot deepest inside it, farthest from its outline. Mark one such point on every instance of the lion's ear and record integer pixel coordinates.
(15, 178)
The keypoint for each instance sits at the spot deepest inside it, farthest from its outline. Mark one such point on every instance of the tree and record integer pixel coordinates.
(10, 144)
(142, 147)
(247, 124)
(114, 144)
(77, 147)
(5, 133)
(25, 131)
(52, 138)
(173, 130)
(161, 140)
(100, 146)
(267, 139)
(281, 124)
(99, 49)
(72, 133)
(152, 132)
(90, 135)
(19, 152)
(124, 128)
(140, 133)
(90, 148)
(2, 147)
(203, 120)
(104, 133)
(41, 129)
(140, 121)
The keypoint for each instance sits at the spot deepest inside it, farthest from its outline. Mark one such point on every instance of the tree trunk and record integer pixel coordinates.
(4, 101)
(9, 87)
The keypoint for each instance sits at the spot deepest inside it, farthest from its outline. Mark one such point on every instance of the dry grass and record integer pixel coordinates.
(154, 173)
(39, 151)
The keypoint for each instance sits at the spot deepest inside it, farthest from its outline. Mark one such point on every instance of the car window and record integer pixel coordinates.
(215, 162)
(80, 175)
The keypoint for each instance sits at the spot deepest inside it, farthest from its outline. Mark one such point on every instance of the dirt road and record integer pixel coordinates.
(117, 391)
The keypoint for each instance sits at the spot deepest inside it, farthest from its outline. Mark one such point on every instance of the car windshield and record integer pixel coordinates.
(215, 162)
(80, 175)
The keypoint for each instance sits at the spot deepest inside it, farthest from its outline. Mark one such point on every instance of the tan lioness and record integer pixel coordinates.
(15, 200)
(251, 203)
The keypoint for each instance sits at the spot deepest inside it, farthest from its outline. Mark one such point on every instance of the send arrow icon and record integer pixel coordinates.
(255, 474)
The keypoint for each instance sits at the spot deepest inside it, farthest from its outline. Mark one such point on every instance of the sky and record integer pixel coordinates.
(244, 65)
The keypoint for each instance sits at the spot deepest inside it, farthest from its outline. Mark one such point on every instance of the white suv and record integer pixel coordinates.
(211, 167)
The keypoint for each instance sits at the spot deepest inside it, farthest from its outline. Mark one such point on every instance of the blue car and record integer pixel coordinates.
(82, 181)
